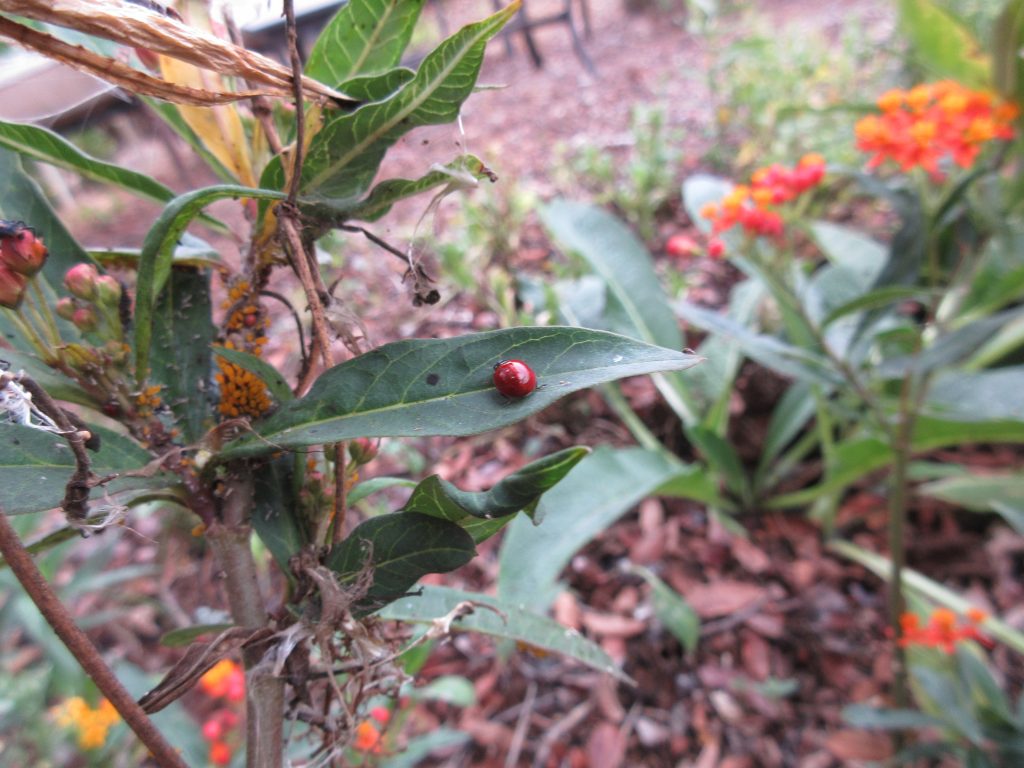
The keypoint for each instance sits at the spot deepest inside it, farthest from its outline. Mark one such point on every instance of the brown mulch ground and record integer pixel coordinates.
(790, 633)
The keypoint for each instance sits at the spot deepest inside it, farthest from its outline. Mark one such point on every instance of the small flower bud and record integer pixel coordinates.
(363, 450)
(213, 730)
(681, 246)
(84, 319)
(108, 290)
(80, 281)
(12, 287)
(22, 251)
(65, 308)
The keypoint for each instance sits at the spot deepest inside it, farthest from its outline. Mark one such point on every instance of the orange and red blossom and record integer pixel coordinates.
(224, 680)
(754, 206)
(220, 753)
(933, 122)
(367, 738)
(943, 630)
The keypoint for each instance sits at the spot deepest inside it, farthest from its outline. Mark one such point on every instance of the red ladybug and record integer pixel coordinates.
(514, 378)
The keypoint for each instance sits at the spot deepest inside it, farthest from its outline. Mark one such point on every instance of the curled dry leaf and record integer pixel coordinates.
(199, 658)
(136, 26)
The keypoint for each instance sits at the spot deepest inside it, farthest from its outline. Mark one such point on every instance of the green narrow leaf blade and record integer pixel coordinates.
(183, 332)
(464, 170)
(46, 146)
(672, 610)
(345, 155)
(922, 585)
(444, 386)
(637, 305)
(158, 254)
(364, 37)
(22, 200)
(274, 516)
(944, 45)
(513, 623)
(602, 488)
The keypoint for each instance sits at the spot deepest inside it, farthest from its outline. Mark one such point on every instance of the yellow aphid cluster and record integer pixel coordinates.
(242, 393)
(246, 322)
(148, 400)
(91, 725)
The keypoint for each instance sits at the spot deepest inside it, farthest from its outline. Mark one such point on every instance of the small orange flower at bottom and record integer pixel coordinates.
(943, 629)
(224, 680)
(367, 738)
(220, 753)
(90, 724)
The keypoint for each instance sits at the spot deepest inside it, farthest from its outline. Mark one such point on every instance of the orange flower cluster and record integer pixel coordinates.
(368, 737)
(932, 122)
(90, 724)
(219, 729)
(224, 680)
(754, 206)
(943, 629)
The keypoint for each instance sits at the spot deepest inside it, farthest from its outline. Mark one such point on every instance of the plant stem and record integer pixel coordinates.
(897, 545)
(58, 617)
(230, 541)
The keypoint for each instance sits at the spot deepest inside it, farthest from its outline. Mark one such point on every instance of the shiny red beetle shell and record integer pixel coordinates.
(514, 378)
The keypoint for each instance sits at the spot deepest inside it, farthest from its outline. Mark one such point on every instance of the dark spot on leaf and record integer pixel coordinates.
(433, 378)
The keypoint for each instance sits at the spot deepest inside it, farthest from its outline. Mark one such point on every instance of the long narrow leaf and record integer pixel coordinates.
(508, 621)
(364, 37)
(48, 147)
(928, 588)
(445, 387)
(158, 255)
(346, 153)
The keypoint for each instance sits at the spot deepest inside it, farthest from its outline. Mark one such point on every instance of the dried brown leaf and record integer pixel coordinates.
(198, 659)
(721, 598)
(859, 745)
(137, 26)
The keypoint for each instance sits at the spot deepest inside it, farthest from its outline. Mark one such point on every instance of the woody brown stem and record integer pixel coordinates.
(230, 541)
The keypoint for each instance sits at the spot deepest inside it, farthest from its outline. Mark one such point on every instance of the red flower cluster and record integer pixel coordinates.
(931, 122)
(754, 206)
(943, 629)
(226, 681)
(22, 255)
(218, 729)
(368, 737)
